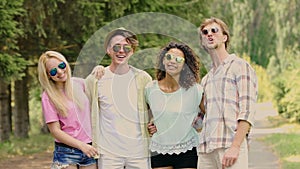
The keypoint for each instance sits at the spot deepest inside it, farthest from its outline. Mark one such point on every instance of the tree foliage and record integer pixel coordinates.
(10, 30)
(266, 31)
(285, 77)
(284, 65)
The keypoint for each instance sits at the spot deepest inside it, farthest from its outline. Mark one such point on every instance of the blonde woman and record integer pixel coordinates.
(66, 110)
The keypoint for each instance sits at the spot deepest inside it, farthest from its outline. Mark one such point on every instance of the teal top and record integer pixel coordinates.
(173, 114)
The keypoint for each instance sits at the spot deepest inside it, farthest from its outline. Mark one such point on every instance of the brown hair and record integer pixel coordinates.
(130, 37)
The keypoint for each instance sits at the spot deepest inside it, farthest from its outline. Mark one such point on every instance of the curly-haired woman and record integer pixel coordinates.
(174, 100)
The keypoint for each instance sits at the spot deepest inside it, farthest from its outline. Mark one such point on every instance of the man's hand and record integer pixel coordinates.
(230, 156)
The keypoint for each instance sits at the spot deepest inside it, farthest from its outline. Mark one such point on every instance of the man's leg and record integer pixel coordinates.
(111, 162)
(207, 160)
(138, 163)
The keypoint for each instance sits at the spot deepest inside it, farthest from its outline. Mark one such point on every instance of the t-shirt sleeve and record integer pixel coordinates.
(49, 111)
(79, 82)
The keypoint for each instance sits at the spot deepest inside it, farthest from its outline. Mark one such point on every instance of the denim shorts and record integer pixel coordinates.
(66, 155)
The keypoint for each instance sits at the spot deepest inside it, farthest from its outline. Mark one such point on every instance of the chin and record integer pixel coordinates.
(212, 46)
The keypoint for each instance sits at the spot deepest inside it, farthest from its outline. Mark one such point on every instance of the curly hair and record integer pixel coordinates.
(190, 72)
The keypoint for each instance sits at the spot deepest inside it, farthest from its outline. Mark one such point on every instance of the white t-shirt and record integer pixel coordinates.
(120, 132)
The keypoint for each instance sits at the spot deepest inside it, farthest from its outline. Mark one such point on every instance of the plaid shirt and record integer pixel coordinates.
(230, 95)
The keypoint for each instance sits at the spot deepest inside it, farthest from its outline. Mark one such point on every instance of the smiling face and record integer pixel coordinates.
(212, 36)
(173, 61)
(119, 50)
(54, 64)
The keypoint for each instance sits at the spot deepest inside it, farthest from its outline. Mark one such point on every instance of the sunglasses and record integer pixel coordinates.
(178, 59)
(53, 71)
(213, 30)
(126, 48)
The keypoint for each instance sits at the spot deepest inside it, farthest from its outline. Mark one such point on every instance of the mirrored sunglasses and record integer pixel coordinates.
(126, 48)
(213, 30)
(53, 71)
(178, 59)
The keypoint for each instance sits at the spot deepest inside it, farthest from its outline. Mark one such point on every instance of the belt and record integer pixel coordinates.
(65, 145)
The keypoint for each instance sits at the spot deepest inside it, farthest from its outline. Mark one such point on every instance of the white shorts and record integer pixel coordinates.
(116, 162)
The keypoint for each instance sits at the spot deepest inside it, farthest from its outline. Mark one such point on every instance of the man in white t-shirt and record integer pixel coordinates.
(119, 115)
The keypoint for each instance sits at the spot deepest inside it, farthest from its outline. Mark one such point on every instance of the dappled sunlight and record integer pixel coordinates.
(293, 158)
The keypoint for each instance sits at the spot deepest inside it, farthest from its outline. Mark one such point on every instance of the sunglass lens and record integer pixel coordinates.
(116, 48)
(53, 72)
(169, 56)
(62, 65)
(179, 59)
(205, 31)
(214, 30)
(127, 48)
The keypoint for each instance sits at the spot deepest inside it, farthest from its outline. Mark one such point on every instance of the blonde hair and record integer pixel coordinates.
(58, 98)
(223, 26)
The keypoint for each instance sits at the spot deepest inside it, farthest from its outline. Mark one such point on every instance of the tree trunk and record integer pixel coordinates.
(5, 111)
(21, 108)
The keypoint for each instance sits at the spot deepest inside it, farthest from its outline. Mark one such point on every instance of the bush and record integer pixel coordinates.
(284, 73)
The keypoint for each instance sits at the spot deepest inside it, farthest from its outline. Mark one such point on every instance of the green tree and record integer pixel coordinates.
(284, 65)
(285, 77)
(10, 63)
(62, 25)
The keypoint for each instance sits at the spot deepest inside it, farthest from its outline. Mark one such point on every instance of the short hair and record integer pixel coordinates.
(222, 24)
(130, 37)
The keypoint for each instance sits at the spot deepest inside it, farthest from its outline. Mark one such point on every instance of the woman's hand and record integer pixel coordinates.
(89, 150)
(151, 128)
(198, 122)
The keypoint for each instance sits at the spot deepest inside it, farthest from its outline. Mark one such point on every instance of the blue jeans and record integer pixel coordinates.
(66, 155)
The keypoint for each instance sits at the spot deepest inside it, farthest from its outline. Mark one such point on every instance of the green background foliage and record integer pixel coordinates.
(266, 33)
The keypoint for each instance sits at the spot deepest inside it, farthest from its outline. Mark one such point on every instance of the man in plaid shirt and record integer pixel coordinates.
(230, 94)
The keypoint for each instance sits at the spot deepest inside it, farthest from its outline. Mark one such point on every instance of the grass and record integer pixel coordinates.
(286, 145)
(34, 144)
(277, 121)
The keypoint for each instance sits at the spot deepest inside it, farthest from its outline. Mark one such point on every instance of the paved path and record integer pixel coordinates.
(260, 155)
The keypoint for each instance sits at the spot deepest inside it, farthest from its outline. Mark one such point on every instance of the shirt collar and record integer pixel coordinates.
(228, 59)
